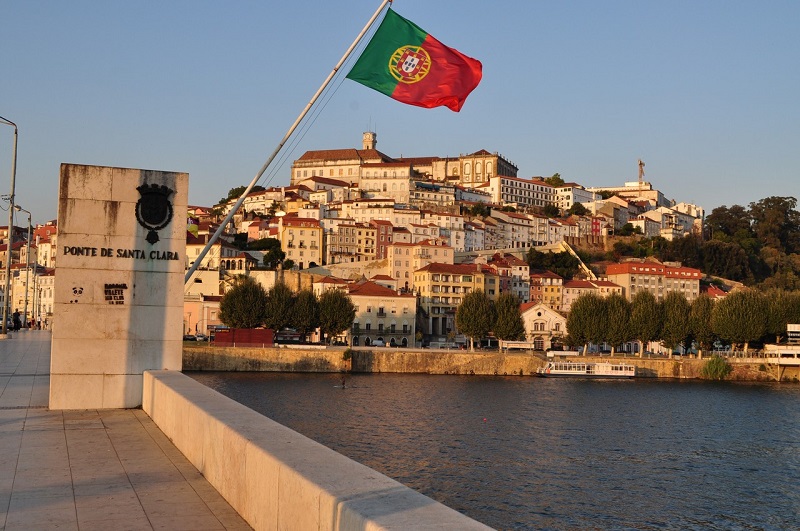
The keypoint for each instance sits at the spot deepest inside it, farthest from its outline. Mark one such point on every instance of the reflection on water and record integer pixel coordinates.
(523, 453)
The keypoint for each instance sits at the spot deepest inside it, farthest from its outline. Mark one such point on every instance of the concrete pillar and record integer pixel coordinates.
(118, 284)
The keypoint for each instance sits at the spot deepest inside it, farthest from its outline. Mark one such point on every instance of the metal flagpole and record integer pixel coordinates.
(6, 291)
(291, 130)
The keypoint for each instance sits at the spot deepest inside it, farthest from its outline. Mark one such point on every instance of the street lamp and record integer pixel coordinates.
(6, 297)
(27, 264)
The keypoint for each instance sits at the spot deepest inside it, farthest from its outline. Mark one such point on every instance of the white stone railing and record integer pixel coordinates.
(276, 478)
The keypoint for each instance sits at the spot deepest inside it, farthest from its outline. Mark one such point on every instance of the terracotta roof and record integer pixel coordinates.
(326, 180)
(585, 284)
(459, 269)
(332, 280)
(385, 165)
(545, 274)
(382, 277)
(368, 288)
(300, 222)
(345, 154)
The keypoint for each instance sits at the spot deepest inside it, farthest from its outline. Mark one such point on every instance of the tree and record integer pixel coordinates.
(509, 325)
(555, 180)
(305, 312)
(280, 300)
(475, 316)
(336, 313)
(776, 223)
(273, 254)
(587, 320)
(551, 211)
(235, 193)
(563, 264)
(577, 209)
(675, 331)
(725, 223)
(700, 323)
(244, 304)
(646, 318)
(618, 310)
(740, 317)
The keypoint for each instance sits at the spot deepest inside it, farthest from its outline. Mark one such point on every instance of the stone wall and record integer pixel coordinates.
(307, 358)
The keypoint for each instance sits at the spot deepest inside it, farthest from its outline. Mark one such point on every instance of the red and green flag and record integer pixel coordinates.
(406, 63)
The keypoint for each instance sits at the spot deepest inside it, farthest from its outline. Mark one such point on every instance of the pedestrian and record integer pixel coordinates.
(16, 320)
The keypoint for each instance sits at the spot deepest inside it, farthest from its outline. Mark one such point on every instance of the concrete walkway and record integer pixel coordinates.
(95, 469)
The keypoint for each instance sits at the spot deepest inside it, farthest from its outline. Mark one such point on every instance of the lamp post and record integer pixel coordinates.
(6, 296)
(27, 264)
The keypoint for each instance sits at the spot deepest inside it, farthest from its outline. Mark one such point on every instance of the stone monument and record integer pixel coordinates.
(118, 283)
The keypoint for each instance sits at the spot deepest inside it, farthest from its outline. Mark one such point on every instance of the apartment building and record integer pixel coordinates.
(657, 278)
(301, 240)
(382, 315)
(442, 287)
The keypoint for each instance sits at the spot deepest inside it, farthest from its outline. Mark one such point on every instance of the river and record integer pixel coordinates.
(529, 453)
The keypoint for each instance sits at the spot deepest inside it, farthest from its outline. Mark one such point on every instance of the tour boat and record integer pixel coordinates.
(575, 369)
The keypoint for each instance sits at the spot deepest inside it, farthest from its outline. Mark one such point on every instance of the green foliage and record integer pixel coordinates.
(717, 368)
(508, 208)
(784, 308)
(280, 301)
(563, 264)
(478, 210)
(336, 313)
(577, 209)
(551, 211)
(629, 230)
(273, 254)
(618, 310)
(509, 325)
(740, 317)
(700, 322)
(646, 317)
(305, 312)
(244, 305)
(475, 316)
(288, 264)
(676, 330)
(588, 319)
(555, 180)
(347, 355)
(236, 193)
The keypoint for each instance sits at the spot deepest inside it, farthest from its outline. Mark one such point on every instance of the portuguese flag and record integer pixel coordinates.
(404, 62)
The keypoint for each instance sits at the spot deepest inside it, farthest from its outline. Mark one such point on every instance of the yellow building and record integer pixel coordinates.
(301, 240)
(441, 288)
(657, 278)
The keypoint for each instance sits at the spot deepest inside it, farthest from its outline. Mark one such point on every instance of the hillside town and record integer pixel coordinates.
(406, 238)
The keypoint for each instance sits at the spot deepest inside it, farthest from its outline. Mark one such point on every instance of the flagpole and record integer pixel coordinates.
(288, 134)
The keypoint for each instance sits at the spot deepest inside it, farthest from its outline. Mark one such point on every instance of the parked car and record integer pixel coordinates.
(378, 343)
(189, 337)
(201, 337)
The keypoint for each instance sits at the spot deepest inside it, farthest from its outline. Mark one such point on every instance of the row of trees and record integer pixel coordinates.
(476, 316)
(248, 305)
(741, 318)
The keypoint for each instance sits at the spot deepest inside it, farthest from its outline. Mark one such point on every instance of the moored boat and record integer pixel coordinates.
(574, 369)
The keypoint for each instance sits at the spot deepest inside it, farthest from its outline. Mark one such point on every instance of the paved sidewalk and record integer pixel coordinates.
(93, 469)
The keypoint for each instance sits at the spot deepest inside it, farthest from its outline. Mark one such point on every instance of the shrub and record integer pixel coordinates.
(716, 368)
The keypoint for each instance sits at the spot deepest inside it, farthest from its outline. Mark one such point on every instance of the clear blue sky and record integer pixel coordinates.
(705, 92)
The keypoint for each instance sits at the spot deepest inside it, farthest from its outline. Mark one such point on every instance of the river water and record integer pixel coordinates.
(529, 453)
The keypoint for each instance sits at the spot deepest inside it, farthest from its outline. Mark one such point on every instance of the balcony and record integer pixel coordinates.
(381, 313)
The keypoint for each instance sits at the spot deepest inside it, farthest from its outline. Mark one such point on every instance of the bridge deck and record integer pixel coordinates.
(94, 469)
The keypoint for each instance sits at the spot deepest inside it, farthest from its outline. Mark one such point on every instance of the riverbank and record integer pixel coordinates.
(205, 357)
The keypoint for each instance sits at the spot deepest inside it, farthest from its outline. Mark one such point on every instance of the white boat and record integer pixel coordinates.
(575, 369)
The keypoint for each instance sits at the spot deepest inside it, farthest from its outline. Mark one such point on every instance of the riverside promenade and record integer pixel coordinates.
(93, 469)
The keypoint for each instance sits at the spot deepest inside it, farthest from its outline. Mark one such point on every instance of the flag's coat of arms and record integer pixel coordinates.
(410, 64)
